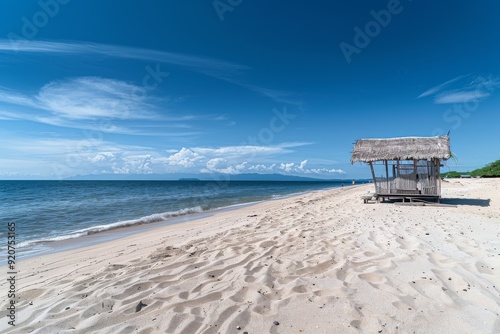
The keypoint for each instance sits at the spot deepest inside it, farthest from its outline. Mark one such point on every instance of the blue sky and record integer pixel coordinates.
(238, 86)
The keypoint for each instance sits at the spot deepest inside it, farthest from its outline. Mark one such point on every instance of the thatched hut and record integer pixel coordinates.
(412, 164)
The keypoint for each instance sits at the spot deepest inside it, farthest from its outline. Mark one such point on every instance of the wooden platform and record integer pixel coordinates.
(410, 197)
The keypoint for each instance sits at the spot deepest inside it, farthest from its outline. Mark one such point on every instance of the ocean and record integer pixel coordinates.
(46, 213)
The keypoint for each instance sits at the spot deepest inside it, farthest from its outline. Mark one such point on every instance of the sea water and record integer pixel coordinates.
(47, 212)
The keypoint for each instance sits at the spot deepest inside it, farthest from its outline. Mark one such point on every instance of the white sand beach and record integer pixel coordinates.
(322, 262)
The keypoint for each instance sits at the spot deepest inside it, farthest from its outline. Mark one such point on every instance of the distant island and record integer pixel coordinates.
(490, 170)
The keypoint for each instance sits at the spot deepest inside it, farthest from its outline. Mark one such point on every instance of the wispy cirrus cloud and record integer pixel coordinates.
(276, 95)
(95, 103)
(462, 89)
(209, 66)
(460, 96)
(236, 152)
(94, 97)
(440, 87)
(217, 68)
(85, 98)
(12, 97)
(59, 147)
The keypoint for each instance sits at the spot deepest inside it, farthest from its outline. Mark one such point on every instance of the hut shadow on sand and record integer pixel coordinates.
(466, 201)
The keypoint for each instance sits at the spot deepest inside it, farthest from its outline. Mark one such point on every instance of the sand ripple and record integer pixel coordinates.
(318, 263)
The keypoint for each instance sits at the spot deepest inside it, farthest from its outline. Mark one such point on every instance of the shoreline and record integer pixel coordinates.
(319, 262)
(118, 232)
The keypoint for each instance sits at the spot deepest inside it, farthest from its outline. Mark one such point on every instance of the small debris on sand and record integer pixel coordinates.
(139, 306)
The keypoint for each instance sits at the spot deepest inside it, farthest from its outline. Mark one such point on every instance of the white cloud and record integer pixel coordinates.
(25, 168)
(287, 167)
(325, 171)
(242, 166)
(213, 163)
(217, 68)
(242, 159)
(126, 162)
(93, 98)
(8, 115)
(185, 158)
(67, 157)
(138, 163)
(103, 156)
(208, 66)
(15, 98)
(239, 152)
(99, 104)
(85, 98)
(457, 90)
(260, 168)
(439, 87)
(461, 97)
(231, 160)
(219, 165)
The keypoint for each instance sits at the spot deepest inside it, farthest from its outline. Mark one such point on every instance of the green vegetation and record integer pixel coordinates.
(453, 174)
(490, 170)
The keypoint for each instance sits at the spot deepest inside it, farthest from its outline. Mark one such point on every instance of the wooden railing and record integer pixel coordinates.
(408, 186)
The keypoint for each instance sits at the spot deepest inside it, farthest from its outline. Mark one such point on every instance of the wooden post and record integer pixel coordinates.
(397, 183)
(438, 180)
(373, 175)
(387, 175)
(415, 170)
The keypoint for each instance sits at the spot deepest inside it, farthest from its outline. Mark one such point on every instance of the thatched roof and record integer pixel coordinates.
(406, 148)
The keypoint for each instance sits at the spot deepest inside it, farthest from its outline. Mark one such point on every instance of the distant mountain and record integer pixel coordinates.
(199, 177)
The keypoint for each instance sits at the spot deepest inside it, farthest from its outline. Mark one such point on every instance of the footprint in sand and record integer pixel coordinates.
(373, 278)
(184, 295)
(441, 260)
(483, 268)
(300, 289)
(267, 244)
(250, 279)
